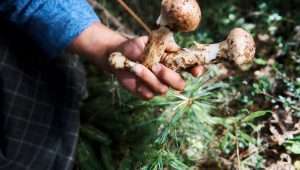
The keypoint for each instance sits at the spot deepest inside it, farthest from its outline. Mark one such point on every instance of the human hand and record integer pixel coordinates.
(143, 82)
(98, 41)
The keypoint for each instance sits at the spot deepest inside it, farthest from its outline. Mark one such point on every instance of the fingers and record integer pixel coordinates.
(144, 92)
(134, 85)
(134, 49)
(150, 79)
(142, 82)
(197, 71)
(168, 76)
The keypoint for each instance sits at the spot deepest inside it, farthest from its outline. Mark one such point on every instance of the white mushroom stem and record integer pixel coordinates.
(199, 54)
(118, 61)
(157, 46)
(239, 47)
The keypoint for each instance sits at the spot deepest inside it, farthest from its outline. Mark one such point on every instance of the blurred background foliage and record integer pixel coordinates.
(225, 119)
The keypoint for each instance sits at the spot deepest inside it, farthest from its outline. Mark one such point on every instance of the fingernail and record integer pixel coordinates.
(148, 96)
(164, 89)
(156, 68)
(181, 85)
(144, 93)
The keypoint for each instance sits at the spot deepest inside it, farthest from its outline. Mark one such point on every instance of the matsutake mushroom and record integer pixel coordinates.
(180, 15)
(239, 47)
(185, 15)
(176, 15)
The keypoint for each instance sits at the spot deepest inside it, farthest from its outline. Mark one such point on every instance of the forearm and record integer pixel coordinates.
(53, 25)
(96, 43)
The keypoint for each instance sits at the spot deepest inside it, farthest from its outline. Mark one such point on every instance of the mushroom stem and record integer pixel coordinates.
(118, 61)
(199, 54)
(239, 47)
(185, 58)
(157, 46)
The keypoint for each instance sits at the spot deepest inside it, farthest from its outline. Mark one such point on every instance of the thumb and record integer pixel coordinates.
(134, 48)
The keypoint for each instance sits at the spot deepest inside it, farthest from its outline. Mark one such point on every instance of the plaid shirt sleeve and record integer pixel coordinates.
(52, 24)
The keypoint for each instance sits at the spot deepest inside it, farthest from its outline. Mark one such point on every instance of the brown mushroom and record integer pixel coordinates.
(180, 15)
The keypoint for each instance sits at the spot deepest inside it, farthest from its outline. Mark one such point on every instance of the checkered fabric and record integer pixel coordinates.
(39, 106)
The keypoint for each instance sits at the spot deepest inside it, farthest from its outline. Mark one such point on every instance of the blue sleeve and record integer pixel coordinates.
(52, 24)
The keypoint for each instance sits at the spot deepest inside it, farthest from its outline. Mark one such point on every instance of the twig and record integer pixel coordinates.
(237, 147)
(134, 15)
(115, 22)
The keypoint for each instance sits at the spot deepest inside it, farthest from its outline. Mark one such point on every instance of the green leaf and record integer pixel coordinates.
(226, 144)
(260, 61)
(293, 147)
(297, 138)
(247, 138)
(254, 115)
(95, 134)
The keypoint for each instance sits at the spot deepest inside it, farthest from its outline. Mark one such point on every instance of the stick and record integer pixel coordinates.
(237, 147)
(115, 22)
(134, 15)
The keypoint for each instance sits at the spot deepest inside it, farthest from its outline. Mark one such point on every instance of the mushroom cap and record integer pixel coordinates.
(180, 15)
(241, 47)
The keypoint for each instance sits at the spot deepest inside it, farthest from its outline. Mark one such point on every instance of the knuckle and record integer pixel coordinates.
(132, 50)
(126, 50)
(135, 53)
(163, 73)
(143, 73)
(139, 70)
